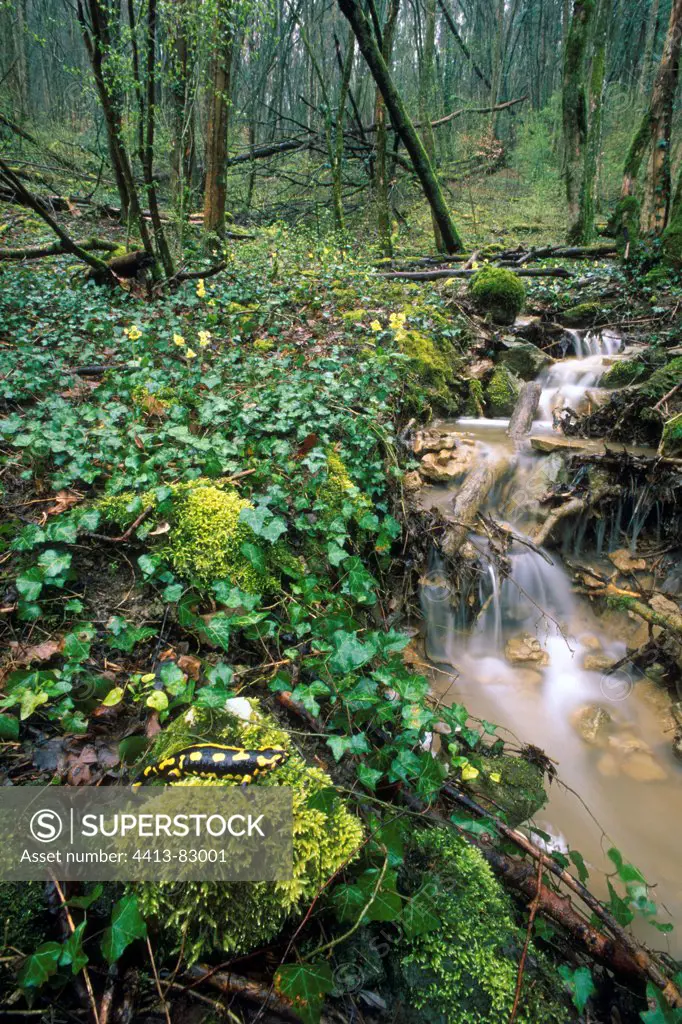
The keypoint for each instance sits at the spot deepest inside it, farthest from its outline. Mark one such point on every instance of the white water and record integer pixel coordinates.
(629, 780)
(565, 384)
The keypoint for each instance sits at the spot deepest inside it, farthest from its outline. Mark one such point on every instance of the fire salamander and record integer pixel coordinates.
(214, 761)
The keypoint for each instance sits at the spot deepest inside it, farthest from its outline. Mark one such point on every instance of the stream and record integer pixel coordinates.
(534, 660)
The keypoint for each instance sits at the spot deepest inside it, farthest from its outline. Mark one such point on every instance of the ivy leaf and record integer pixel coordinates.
(305, 986)
(619, 907)
(340, 745)
(369, 777)
(157, 700)
(9, 728)
(114, 697)
(661, 1012)
(77, 645)
(54, 563)
(335, 554)
(577, 858)
(350, 653)
(30, 583)
(173, 592)
(218, 630)
(359, 583)
(419, 915)
(73, 952)
(274, 529)
(40, 966)
(30, 701)
(255, 556)
(412, 689)
(579, 983)
(127, 924)
(626, 872)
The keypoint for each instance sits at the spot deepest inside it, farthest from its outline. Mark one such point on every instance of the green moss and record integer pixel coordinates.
(663, 380)
(354, 316)
(465, 971)
(585, 314)
(671, 441)
(24, 919)
(235, 917)
(338, 495)
(520, 793)
(501, 392)
(624, 373)
(499, 293)
(475, 397)
(623, 223)
(206, 536)
(433, 363)
(672, 236)
(264, 345)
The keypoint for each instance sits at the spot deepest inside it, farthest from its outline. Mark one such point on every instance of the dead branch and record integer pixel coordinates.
(244, 988)
(524, 411)
(67, 242)
(56, 249)
(436, 275)
(470, 497)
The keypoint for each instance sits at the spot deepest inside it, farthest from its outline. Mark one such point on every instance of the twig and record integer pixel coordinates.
(522, 963)
(164, 1004)
(86, 975)
(128, 533)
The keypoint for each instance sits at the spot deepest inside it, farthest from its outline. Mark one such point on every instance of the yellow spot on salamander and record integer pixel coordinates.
(168, 763)
(218, 758)
(243, 755)
(175, 773)
(196, 755)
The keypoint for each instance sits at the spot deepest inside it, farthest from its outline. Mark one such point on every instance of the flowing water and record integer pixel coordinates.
(629, 784)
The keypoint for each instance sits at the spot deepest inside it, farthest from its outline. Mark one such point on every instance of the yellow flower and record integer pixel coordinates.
(201, 288)
(178, 340)
(133, 333)
(396, 320)
(190, 353)
(211, 302)
(375, 325)
(400, 334)
(204, 338)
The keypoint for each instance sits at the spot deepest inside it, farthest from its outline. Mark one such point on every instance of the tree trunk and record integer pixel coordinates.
(583, 231)
(381, 172)
(574, 110)
(656, 208)
(655, 128)
(216, 132)
(337, 166)
(402, 123)
(647, 60)
(524, 411)
(426, 92)
(182, 126)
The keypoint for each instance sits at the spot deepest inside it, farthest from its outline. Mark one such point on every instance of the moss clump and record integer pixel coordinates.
(338, 495)
(623, 223)
(585, 314)
(24, 919)
(465, 971)
(671, 441)
(663, 380)
(475, 398)
(235, 917)
(264, 345)
(520, 793)
(354, 316)
(433, 363)
(502, 392)
(499, 293)
(672, 237)
(207, 536)
(624, 373)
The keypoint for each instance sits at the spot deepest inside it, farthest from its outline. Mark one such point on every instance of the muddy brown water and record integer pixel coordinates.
(620, 784)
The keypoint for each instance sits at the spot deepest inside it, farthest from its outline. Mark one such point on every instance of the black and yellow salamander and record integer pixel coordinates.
(214, 761)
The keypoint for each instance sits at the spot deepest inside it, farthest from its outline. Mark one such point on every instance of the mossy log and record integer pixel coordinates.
(470, 498)
(437, 275)
(37, 252)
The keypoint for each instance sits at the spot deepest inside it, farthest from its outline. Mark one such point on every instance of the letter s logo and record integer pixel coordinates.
(46, 826)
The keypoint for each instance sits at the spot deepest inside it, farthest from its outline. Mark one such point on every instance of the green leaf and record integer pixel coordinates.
(54, 563)
(335, 554)
(340, 745)
(30, 701)
(359, 583)
(577, 858)
(77, 646)
(173, 592)
(40, 966)
(579, 983)
(157, 700)
(626, 872)
(114, 697)
(218, 630)
(369, 777)
(72, 950)
(619, 907)
(148, 565)
(63, 531)
(305, 986)
(660, 1012)
(85, 901)
(127, 924)
(9, 728)
(30, 583)
(350, 653)
(419, 915)
(253, 554)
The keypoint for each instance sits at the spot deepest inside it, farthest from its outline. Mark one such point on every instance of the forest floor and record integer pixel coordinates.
(279, 391)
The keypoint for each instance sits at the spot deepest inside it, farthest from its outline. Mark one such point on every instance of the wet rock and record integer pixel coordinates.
(524, 359)
(643, 768)
(597, 398)
(433, 441)
(656, 673)
(447, 464)
(524, 649)
(412, 481)
(593, 723)
(672, 584)
(627, 743)
(663, 605)
(676, 710)
(530, 327)
(597, 662)
(592, 642)
(625, 562)
(528, 677)
(568, 444)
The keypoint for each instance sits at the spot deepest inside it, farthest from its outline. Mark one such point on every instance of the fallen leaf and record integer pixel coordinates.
(190, 665)
(153, 726)
(160, 529)
(23, 656)
(63, 500)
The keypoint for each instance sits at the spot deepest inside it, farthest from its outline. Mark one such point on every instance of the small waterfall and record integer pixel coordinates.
(567, 381)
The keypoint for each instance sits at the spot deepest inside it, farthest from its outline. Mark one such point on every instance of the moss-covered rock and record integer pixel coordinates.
(432, 364)
(475, 399)
(24, 919)
(501, 392)
(235, 917)
(465, 971)
(498, 293)
(671, 440)
(663, 380)
(585, 314)
(524, 359)
(626, 372)
(206, 534)
(520, 792)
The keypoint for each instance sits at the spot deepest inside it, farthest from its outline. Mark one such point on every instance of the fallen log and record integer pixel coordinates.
(524, 411)
(436, 275)
(666, 620)
(470, 497)
(56, 249)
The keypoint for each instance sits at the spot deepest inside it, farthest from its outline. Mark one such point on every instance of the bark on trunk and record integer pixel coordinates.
(402, 123)
(583, 230)
(574, 110)
(524, 410)
(216, 131)
(426, 93)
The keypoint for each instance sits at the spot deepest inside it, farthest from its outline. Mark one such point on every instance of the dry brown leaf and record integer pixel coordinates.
(63, 500)
(190, 665)
(23, 656)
